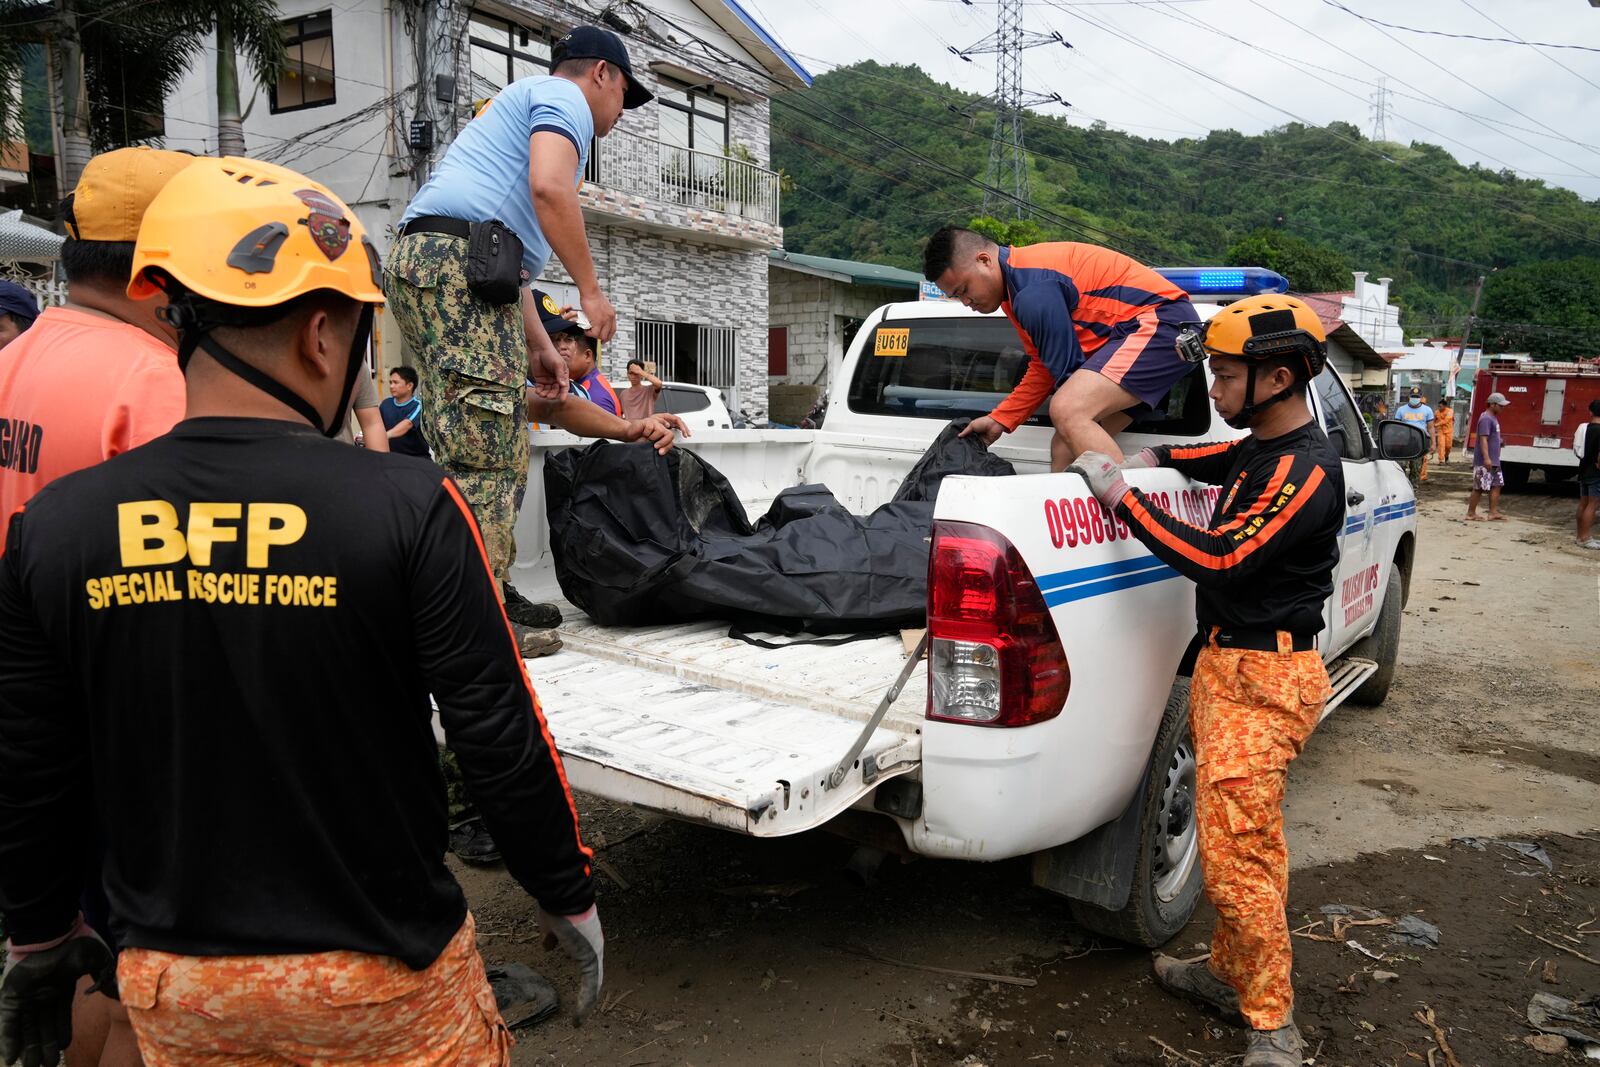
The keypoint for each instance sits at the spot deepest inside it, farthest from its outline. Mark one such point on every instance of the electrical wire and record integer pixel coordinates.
(1457, 36)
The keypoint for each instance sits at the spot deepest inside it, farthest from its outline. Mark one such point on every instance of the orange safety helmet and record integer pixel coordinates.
(1261, 327)
(252, 234)
(1257, 328)
(234, 242)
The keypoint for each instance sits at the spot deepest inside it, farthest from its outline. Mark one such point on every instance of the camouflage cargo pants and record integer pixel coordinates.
(471, 365)
(1251, 712)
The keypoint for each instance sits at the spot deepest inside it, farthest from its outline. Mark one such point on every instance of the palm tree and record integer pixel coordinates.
(113, 63)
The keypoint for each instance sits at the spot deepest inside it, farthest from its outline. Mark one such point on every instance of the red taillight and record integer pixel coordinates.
(994, 657)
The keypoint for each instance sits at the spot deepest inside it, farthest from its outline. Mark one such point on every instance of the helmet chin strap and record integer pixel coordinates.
(1247, 414)
(194, 330)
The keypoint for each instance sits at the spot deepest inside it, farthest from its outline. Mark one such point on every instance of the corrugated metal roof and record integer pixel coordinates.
(850, 271)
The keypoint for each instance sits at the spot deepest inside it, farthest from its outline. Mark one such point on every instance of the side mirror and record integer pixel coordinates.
(1401, 441)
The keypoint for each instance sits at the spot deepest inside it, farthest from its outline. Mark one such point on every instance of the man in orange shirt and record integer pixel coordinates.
(100, 375)
(1077, 308)
(86, 382)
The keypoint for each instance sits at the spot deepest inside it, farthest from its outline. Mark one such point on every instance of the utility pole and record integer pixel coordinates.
(1461, 349)
(1008, 160)
(1380, 110)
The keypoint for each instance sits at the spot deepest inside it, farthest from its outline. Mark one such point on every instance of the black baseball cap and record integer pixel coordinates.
(550, 315)
(591, 42)
(16, 300)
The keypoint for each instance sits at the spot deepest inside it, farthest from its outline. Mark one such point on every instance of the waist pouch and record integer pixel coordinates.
(494, 262)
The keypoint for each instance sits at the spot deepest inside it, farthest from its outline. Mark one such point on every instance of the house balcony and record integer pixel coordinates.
(674, 191)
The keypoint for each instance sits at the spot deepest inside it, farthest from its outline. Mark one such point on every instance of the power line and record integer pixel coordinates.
(1246, 93)
(1471, 85)
(1457, 36)
(1546, 55)
(1315, 73)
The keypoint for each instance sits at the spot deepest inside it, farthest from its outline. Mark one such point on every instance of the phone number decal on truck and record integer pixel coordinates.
(1078, 521)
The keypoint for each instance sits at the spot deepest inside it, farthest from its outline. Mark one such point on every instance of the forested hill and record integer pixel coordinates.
(879, 156)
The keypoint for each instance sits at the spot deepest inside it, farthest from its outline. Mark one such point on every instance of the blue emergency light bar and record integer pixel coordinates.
(1225, 281)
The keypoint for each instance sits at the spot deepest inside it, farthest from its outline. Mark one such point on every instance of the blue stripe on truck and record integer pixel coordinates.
(1081, 583)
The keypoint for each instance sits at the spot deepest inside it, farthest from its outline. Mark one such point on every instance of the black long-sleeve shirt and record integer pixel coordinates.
(222, 645)
(1266, 561)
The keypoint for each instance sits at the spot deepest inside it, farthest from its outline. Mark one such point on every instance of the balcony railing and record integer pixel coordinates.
(643, 166)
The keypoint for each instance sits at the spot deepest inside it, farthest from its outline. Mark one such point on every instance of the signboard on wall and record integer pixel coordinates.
(929, 291)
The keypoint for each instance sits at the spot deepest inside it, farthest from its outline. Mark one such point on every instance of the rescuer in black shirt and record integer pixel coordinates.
(220, 646)
(1262, 570)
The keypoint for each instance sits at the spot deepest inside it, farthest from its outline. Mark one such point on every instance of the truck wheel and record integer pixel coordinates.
(1382, 645)
(1552, 475)
(1166, 881)
(1516, 476)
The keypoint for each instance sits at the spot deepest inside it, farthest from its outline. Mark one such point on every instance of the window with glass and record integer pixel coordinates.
(307, 76)
(693, 118)
(1346, 430)
(961, 367)
(502, 52)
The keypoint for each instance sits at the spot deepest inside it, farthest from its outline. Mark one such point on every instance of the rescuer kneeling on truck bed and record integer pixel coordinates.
(1097, 324)
(1264, 569)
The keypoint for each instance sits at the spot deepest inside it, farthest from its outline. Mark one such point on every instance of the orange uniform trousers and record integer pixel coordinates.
(314, 1009)
(1251, 713)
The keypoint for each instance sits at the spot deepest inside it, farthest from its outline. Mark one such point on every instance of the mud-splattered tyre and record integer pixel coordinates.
(1382, 645)
(1166, 881)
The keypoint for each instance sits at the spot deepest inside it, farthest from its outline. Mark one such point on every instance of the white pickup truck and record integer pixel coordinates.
(1082, 759)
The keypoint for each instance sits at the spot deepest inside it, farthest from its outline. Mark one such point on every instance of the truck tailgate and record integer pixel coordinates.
(689, 722)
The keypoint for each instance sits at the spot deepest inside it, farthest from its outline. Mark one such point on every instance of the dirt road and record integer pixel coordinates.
(727, 951)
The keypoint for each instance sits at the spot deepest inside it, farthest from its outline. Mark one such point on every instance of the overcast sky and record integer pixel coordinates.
(1107, 75)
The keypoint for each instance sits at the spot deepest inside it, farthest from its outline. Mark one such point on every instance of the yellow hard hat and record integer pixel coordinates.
(1262, 327)
(252, 234)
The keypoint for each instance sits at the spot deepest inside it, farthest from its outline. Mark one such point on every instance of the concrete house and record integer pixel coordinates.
(815, 306)
(680, 200)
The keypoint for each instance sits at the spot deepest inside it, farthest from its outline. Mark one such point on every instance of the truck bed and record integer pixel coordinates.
(687, 720)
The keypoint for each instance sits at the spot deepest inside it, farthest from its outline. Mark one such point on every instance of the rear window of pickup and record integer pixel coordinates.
(946, 368)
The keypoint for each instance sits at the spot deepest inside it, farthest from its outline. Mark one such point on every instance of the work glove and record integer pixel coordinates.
(1103, 475)
(1145, 457)
(36, 991)
(581, 938)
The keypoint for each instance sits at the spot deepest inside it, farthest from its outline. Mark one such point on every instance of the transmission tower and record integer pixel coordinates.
(1008, 161)
(1380, 110)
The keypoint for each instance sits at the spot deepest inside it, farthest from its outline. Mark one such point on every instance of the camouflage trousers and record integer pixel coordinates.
(1251, 712)
(323, 1008)
(471, 365)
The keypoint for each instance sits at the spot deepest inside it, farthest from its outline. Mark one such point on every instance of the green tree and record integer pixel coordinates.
(1546, 309)
(1409, 212)
(1310, 268)
(1012, 232)
(115, 61)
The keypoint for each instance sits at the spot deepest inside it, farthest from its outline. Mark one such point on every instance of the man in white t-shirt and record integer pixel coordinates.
(1586, 443)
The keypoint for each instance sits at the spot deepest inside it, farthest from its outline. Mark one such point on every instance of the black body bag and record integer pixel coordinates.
(642, 539)
(494, 262)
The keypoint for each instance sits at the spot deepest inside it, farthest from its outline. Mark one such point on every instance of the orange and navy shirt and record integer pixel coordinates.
(1066, 299)
(76, 389)
(1266, 560)
(178, 627)
(595, 388)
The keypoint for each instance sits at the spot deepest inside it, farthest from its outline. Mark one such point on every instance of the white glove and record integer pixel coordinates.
(1145, 457)
(1103, 475)
(581, 938)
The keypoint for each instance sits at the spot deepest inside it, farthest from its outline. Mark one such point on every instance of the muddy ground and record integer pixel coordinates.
(727, 951)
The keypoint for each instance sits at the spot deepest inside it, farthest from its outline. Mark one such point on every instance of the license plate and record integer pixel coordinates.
(1547, 442)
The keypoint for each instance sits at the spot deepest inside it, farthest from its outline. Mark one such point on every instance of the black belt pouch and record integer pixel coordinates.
(494, 262)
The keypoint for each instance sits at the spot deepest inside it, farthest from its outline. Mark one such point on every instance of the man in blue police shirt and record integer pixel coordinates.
(519, 162)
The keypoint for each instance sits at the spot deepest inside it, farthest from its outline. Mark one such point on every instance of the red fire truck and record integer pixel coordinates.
(1548, 402)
